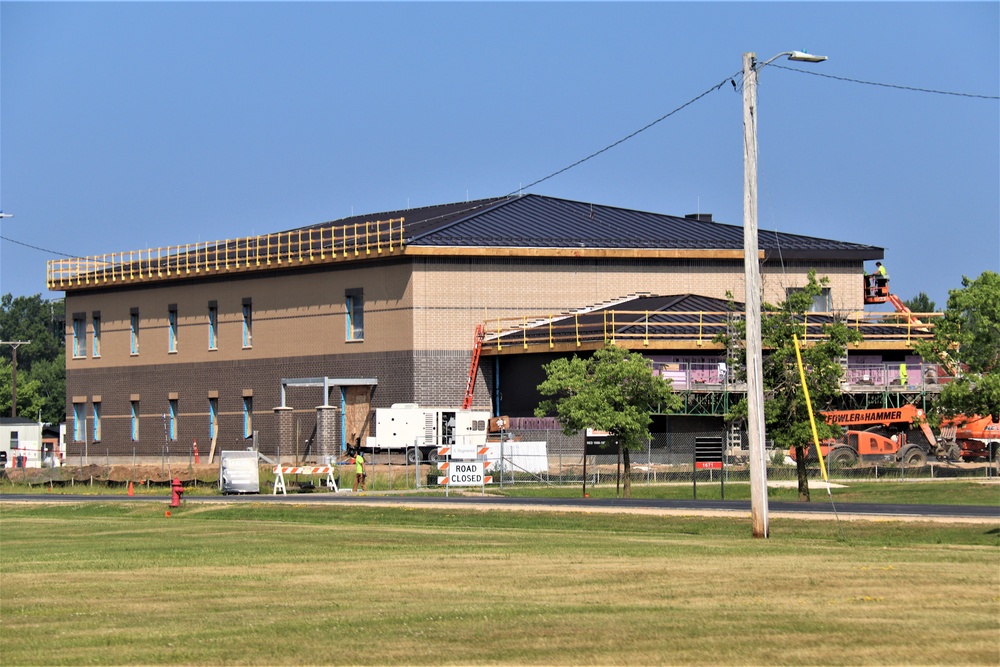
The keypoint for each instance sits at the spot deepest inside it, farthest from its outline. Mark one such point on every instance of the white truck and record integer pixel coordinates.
(421, 430)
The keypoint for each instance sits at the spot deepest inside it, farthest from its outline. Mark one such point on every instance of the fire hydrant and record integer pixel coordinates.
(177, 489)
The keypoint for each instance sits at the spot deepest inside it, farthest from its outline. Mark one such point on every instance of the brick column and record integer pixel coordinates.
(327, 431)
(286, 431)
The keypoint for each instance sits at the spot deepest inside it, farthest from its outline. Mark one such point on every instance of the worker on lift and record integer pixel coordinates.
(878, 279)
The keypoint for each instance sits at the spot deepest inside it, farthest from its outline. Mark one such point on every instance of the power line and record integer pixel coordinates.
(626, 138)
(884, 85)
(34, 247)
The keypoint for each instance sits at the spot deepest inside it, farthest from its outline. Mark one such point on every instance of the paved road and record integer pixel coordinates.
(819, 508)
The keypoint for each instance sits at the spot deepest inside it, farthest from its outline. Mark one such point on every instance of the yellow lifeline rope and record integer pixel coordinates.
(812, 425)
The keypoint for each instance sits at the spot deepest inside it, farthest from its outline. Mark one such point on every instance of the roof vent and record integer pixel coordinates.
(700, 217)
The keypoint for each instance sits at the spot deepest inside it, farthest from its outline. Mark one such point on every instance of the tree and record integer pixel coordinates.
(786, 416)
(29, 399)
(41, 366)
(36, 319)
(967, 340)
(614, 391)
(921, 303)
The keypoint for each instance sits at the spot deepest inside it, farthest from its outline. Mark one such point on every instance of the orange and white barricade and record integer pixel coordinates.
(281, 471)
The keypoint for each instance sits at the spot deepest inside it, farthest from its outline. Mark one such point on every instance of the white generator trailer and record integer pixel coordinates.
(421, 430)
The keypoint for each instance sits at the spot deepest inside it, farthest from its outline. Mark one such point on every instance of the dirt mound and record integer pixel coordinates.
(139, 474)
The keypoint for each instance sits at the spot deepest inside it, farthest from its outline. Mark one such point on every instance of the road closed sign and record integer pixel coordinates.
(465, 473)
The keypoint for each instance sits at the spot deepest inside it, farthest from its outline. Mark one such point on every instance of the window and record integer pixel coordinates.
(172, 328)
(135, 331)
(135, 421)
(821, 303)
(97, 333)
(79, 335)
(247, 323)
(248, 416)
(79, 422)
(213, 416)
(172, 424)
(213, 325)
(97, 422)
(355, 302)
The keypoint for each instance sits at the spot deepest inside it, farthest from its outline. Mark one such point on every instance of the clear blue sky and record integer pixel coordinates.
(124, 126)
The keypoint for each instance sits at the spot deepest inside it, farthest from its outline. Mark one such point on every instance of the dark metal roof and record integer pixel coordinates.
(546, 222)
(537, 221)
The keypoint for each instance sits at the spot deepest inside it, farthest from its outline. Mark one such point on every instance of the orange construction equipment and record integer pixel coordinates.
(978, 437)
(876, 288)
(470, 385)
(892, 434)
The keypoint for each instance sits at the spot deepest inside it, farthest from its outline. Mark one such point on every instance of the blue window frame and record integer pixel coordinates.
(134, 341)
(79, 422)
(355, 306)
(97, 335)
(213, 416)
(248, 416)
(247, 323)
(97, 422)
(172, 329)
(135, 421)
(172, 424)
(213, 327)
(79, 336)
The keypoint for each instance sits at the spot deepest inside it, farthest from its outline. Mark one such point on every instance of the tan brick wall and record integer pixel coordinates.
(297, 314)
(454, 295)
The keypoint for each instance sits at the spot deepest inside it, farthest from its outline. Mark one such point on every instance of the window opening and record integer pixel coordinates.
(247, 323)
(248, 416)
(173, 419)
(97, 422)
(172, 329)
(355, 306)
(135, 421)
(134, 342)
(213, 416)
(97, 335)
(213, 327)
(79, 336)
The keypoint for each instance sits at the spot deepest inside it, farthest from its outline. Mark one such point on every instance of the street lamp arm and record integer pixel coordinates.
(798, 56)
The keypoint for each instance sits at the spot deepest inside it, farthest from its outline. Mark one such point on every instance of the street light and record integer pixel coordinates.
(751, 269)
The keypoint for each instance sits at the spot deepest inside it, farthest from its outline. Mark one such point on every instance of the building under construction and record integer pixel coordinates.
(297, 335)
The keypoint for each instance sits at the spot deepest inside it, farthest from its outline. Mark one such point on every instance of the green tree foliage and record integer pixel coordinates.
(786, 416)
(614, 390)
(29, 398)
(41, 366)
(967, 340)
(921, 303)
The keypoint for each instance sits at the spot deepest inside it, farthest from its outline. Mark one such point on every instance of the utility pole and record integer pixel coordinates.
(751, 273)
(13, 371)
(751, 269)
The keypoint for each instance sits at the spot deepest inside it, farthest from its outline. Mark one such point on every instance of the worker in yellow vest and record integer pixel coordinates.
(359, 471)
(903, 376)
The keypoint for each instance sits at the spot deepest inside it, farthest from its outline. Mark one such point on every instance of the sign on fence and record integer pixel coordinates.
(464, 473)
(598, 443)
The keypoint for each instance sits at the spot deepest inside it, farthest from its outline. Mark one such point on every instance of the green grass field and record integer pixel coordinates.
(267, 585)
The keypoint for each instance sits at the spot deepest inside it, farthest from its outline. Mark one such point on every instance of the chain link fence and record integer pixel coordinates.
(670, 457)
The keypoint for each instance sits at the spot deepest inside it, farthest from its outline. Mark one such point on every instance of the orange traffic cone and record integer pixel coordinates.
(131, 491)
